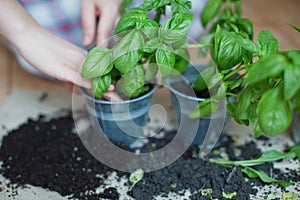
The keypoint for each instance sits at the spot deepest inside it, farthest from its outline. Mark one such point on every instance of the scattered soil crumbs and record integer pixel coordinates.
(48, 154)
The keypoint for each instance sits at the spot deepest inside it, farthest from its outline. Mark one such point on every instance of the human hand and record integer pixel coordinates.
(108, 13)
(53, 56)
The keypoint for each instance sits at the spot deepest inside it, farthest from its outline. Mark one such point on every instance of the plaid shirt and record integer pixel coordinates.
(61, 17)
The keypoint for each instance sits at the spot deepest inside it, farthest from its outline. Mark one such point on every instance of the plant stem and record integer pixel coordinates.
(197, 45)
(238, 69)
(228, 9)
(232, 94)
(242, 163)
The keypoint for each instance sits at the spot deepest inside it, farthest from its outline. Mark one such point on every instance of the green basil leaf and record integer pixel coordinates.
(129, 20)
(230, 108)
(182, 58)
(100, 85)
(230, 52)
(149, 28)
(296, 150)
(238, 8)
(274, 155)
(246, 26)
(216, 78)
(274, 112)
(165, 59)
(128, 51)
(296, 101)
(254, 123)
(151, 71)
(179, 44)
(132, 83)
(234, 84)
(211, 9)
(244, 101)
(201, 82)
(218, 38)
(252, 173)
(97, 63)
(266, 68)
(180, 6)
(291, 81)
(297, 28)
(128, 61)
(124, 5)
(291, 74)
(152, 45)
(267, 43)
(249, 45)
(150, 4)
(175, 28)
(206, 107)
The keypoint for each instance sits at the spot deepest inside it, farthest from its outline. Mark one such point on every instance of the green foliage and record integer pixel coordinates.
(165, 59)
(267, 43)
(141, 41)
(175, 28)
(132, 83)
(252, 173)
(98, 63)
(211, 9)
(229, 51)
(268, 156)
(261, 83)
(100, 85)
(274, 113)
(297, 28)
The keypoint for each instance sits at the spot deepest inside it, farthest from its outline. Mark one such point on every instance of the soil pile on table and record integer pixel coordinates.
(48, 154)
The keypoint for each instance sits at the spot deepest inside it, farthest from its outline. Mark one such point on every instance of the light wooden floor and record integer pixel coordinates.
(275, 15)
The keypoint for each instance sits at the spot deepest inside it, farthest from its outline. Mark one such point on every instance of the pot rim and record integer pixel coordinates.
(91, 98)
(169, 84)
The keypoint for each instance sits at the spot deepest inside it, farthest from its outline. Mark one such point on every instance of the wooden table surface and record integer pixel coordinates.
(275, 15)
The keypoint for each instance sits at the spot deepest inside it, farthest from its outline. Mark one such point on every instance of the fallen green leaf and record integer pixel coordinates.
(228, 195)
(290, 196)
(135, 177)
(252, 173)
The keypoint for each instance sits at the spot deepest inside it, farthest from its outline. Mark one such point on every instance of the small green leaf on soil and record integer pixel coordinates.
(290, 196)
(229, 195)
(135, 177)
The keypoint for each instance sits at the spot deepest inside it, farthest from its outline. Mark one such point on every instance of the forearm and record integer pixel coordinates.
(15, 21)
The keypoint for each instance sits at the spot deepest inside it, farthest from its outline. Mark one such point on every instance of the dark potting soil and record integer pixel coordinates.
(48, 154)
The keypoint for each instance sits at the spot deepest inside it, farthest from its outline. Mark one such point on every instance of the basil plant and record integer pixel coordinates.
(140, 42)
(260, 82)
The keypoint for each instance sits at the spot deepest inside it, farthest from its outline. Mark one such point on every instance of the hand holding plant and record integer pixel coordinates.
(140, 41)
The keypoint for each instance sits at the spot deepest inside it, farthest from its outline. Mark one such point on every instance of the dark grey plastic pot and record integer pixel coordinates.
(209, 128)
(120, 121)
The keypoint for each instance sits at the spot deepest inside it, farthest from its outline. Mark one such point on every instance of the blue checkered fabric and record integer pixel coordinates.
(61, 17)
